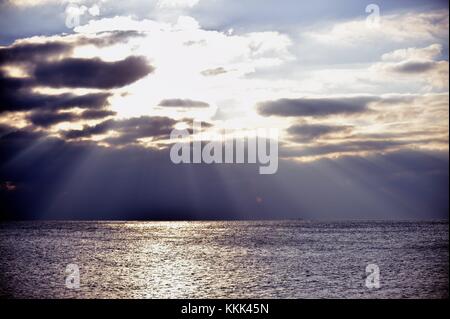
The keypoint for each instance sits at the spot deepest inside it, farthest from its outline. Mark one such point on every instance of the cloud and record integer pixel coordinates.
(398, 28)
(214, 72)
(46, 119)
(182, 103)
(91, 73)
(426, 53)
(416, 63)
(16, 94)
(89, 131)
(211, 48)
(128, 130)
(26, 53)
(45, 64)
(35, 50)
(96, 114)
(94, 182)
(310, 132)
(341, 148)
(315, 107)
(5, 129)
(108, 38)
(411, 67)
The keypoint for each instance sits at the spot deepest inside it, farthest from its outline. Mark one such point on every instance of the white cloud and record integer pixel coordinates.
(203, 48)
(94, 10)
(182, 51)
(427, 53)
(407, 70)
(416, 64)
(409, 27)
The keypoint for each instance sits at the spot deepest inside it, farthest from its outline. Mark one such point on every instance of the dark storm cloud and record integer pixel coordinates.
(26, 53)
(310, 132)
(144, 126)
(16, 95)
(96, 114)
(82, 180)
(89, 131)
(8, 84)
(91, 73)
(128, 130)
(46, 119)
(182, 103)
(316, 107)
(63, 101)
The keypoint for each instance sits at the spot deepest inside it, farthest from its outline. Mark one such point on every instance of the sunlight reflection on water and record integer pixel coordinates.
(285, 259)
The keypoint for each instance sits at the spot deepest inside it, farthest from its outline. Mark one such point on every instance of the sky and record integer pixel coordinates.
(90, 92)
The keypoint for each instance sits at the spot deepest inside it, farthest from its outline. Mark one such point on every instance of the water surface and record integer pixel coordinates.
(268, 259)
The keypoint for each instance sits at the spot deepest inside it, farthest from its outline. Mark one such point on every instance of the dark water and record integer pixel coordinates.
(224, 259)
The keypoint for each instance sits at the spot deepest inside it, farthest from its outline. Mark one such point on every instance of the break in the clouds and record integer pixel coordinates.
(362, 110)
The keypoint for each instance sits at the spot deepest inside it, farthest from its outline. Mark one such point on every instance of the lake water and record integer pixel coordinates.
(269, 259)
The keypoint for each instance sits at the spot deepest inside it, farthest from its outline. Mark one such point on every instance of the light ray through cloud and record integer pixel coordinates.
(114, 85)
